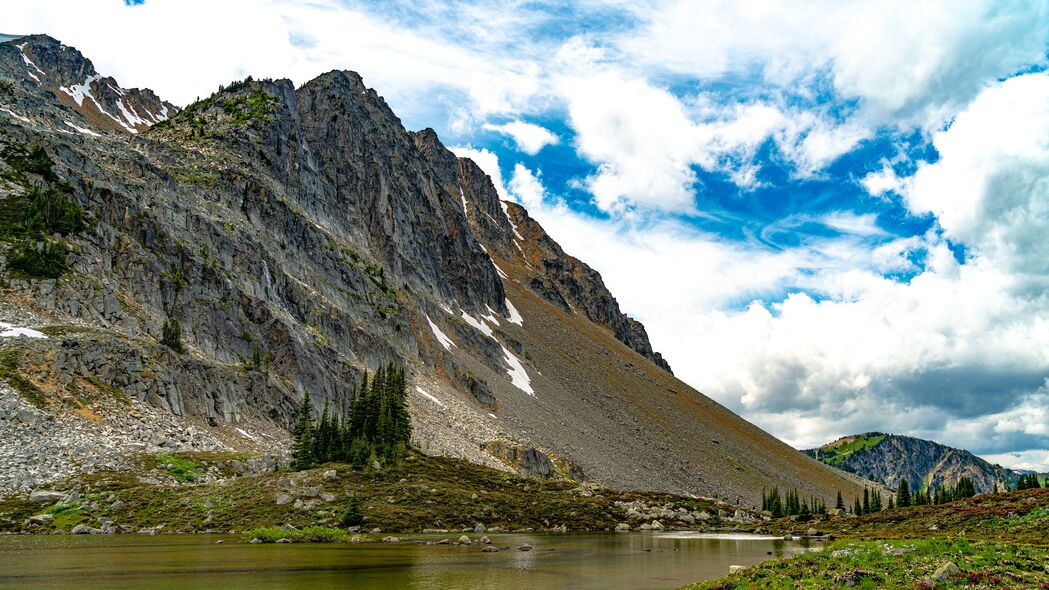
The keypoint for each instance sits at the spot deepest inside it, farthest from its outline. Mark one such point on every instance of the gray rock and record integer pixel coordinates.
(282, 499)
(117, 506)
(479, 528)
(946, 572)
(41, 518)
(46, 496)
(330, 474)
(622, 527)
(283, 540)
(525, 548)
(736, 568)
(255, 541)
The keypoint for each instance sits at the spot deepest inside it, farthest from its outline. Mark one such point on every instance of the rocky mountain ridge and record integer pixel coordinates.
(300, 236)
(924, 464)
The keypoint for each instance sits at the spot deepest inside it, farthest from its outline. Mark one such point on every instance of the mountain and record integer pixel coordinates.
(300, 236)
(924, 464)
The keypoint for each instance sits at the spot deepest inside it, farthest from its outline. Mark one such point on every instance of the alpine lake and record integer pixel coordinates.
(577, 561)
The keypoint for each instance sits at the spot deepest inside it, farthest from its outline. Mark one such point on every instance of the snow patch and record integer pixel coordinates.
(500, 271)
(466, 209)
(244, 433)
(506, 212)
(443, 338)
(29, 64)
(14, 114)
(515, 317)
(9, 331)
(83, 130)
(445, 309)
(131, 116)
(491, 317)
(483, 327)
(428, 396)
(518, 374)
(80, 91)
(493, 415)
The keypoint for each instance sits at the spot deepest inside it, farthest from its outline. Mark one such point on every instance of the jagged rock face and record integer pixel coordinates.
(302, 236)
(924, 464)
(74, 80)
(572, 285)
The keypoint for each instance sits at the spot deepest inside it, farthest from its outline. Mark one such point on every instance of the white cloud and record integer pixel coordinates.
(526, 187)
(529, 137)
(959, 353)
(990, 187)
(487, 161)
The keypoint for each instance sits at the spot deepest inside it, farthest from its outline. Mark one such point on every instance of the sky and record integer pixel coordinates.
(831, 216)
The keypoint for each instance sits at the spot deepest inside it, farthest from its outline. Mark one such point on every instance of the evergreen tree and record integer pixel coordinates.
(839, 504)
(891, 506)
(903, 494)
(857, 509)
(876, 504)
(964, 488)
(866, 501)
(171, 335)
(302, 437)
(353, 516)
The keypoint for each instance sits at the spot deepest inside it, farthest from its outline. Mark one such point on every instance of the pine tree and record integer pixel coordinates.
(891, 506)
(903, 494)
(866, 501)
(839, 504)
(964, 488)
(302, 437)
(353, 516)
(857, 509)
(876, 504)
(171, 335)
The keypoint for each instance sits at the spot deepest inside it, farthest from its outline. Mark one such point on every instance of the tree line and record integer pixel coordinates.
(790, 504)
(376, 428)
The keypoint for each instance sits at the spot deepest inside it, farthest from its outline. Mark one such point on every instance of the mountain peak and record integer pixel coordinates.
(44, 61)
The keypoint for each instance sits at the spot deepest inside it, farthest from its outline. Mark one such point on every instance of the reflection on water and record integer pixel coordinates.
(557, 561)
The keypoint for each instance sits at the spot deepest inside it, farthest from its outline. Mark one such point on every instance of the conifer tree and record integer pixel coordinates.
(839, 504)
(171, 334)
(866, 501)
(857, 509)
(302, 437)
(903, 494)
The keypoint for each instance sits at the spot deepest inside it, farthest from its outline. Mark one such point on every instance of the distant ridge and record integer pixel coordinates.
(924, 464)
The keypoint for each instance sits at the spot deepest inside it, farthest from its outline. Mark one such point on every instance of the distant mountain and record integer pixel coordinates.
(890, 458)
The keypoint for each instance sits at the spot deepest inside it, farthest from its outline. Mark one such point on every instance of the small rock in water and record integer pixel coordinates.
(219, 542)
(255, 541)
(490, 549)
(525, 548)
(284, 540)
(622, 527)
(464, 540)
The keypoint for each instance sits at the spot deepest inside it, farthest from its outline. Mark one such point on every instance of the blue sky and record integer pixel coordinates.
(832, 216)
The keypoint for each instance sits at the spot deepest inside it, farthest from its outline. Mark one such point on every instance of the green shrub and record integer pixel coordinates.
(44, 260)
(38, 213)
(313, 534)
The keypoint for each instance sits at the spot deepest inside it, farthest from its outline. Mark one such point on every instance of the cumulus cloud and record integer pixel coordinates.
(529, 137)
(958, 353)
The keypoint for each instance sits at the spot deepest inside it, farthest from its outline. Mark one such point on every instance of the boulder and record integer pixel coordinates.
(657, 526)
(946, 572)
(41, 518)
(464, 540)
(525, 548)
(622, 527)
(479, 528)
(284, 540)
(49, 496)
(735, 568)
(330, 474)
(255, 541)
(115, 506)
(282, 498)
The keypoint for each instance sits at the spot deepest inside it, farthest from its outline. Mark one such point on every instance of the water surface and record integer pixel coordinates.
(578, 561)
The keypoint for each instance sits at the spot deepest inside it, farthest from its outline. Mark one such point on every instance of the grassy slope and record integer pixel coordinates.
(838, 452)
(422, 492)
(1001, 536)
